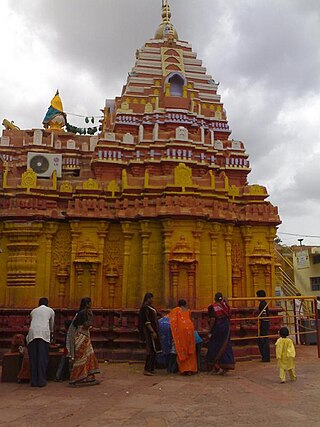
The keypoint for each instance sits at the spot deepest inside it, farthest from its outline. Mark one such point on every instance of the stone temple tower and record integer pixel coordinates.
(159, 201)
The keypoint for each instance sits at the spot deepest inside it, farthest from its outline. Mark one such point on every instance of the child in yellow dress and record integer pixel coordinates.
(285, 353)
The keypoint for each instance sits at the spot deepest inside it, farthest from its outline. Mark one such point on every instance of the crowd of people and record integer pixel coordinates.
(171, 342)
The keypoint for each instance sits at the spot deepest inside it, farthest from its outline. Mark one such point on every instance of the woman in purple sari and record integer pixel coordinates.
(220, 357)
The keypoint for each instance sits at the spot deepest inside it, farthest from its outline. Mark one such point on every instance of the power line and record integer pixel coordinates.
(300, 235)
(81, 115)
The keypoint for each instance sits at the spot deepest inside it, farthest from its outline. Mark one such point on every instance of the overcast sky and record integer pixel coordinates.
(265, 53)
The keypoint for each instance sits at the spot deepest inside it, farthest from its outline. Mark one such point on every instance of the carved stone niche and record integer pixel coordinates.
(237, 271)
(183, 176)
(112, 276)
(182, 271)
(71, 144)
(181, 133)
(87, 258)
(128, 138)
(260, 266)
(236, 145)
(218, 145)
(110, 136)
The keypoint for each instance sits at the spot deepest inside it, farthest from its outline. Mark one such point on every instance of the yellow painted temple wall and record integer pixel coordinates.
(116, 263)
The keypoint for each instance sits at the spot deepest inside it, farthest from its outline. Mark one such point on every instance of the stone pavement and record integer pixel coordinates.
(250, 396)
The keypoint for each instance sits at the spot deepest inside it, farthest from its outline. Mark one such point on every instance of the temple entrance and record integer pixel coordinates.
(183, 283)
(85, 280)
(182, 270)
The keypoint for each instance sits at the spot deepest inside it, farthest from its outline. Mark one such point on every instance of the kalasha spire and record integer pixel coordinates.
(166, 27)
(166, 14)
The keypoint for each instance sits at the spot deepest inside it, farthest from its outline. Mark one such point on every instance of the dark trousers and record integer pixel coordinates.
(150, 362)
(38, 350)
(264, 342)
(172, 364)
(151, 353)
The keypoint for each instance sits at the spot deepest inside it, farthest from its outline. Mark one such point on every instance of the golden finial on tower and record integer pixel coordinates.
(166, 28)
(166, 14)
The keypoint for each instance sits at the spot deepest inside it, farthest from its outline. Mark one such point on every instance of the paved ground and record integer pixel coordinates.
(250, 396)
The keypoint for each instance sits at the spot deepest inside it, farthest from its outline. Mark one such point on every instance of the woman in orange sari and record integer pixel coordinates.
(182, 330)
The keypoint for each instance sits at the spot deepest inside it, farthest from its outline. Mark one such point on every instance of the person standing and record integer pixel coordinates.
(286, 354)
(168, 355)
(38, 340)
(149, 326)
(299, 314)
(299, 306)
(79, 348)
(220, 355)
(264, 327)
(182, 330)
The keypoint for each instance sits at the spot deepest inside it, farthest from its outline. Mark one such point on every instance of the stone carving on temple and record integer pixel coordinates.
(61, 262)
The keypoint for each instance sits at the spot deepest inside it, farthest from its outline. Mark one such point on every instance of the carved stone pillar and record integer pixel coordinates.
(156, 131)
(75, 273)
(237, 272)
(191, 285)
(112, 276)
(255, 277)
(272, 235)
(102, 232)
(196, 233)
(60, 266)
(167, 234)
(227, 239)
(93, 279)
(127, 232)
(213, 254)
(268, 279)
(79, 272)
(62, 276)
(50, 230)
(174, 284)
(22, 250)
(246, 232)
(141, 131)
(145, 234)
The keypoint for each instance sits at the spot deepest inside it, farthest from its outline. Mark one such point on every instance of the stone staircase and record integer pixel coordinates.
(285, 272)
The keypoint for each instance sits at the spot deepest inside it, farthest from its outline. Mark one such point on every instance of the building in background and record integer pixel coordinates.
(306, 262)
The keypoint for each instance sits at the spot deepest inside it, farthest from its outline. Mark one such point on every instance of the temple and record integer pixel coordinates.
(157, 201)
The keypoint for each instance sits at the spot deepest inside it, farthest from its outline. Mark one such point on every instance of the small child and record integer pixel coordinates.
(285, 353)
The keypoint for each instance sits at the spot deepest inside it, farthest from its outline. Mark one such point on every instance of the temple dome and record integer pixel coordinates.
(164, 29)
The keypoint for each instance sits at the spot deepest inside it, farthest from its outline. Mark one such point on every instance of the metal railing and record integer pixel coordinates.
(298, 323)
(287, 284)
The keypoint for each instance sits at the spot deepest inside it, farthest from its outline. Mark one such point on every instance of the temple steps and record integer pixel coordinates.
(115, 335)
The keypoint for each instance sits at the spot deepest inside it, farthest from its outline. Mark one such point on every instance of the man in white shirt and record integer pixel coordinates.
(299, 310)
(38, 340)
(299, 306)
